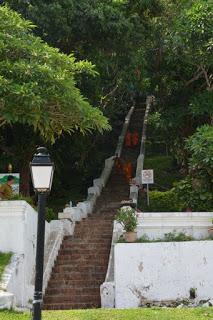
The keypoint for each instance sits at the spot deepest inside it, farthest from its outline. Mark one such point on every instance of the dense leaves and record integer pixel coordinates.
(200, 146)
(37, 85)
(138, 47)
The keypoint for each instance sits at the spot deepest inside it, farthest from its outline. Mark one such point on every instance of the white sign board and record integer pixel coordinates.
(147, 176)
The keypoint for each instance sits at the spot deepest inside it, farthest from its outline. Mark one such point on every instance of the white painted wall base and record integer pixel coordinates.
(7, 300)
(155, 224)
(18, 230)
(162, 271)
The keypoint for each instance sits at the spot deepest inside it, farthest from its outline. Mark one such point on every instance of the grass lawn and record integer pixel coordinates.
(4, 261)
(133, 314)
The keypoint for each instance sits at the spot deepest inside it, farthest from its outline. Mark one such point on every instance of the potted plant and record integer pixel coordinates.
(127, 218)
(210, 230)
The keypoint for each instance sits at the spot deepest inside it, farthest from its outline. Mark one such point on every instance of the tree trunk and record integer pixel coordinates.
(25, 179)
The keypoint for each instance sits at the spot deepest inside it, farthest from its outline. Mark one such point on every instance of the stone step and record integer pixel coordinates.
(78, 257)
(68, 306)
(69, 245)
(64, 291)
(58, 283)
(81, 266)
(104, 242)
(76, 275)
(84, 298)
(82, 261)
(98, 248)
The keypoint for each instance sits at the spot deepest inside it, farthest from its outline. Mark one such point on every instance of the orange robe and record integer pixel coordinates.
(128, 171)
(135, 139)
(128, 140)
(118, 165)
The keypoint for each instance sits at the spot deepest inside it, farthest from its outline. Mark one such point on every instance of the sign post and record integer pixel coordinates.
(147, 178)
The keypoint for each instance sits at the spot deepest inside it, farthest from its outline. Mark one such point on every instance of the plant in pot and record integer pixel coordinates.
(126, 216)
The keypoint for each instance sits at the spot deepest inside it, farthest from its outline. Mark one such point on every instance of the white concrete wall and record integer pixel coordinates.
(18, 233)
(162, 271)
(107, 289)
(155, 224)
(18, 227)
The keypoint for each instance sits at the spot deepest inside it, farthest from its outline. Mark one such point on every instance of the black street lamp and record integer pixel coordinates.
(42, 169)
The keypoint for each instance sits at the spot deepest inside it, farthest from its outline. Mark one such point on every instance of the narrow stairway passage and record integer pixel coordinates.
(82, 262)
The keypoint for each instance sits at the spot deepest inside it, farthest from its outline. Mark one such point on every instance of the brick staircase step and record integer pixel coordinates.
(69, 292)
(82, 261)
(84, 298)
(68, 306)
(74, 283)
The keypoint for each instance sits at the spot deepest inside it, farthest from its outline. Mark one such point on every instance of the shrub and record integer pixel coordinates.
(198, 199)
(50, 214)
(127, 218)
(4, 261)
(24, 198)
(200, 146)
(168, 237)
(161, 202)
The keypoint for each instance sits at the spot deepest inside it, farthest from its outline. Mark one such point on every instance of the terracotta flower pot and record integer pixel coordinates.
(130, 236)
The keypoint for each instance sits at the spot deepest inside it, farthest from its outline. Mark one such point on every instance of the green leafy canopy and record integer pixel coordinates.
(37, 85)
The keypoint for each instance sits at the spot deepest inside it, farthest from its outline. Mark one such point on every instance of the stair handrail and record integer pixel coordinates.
(86, 207)
(121, 138)
(140, 160)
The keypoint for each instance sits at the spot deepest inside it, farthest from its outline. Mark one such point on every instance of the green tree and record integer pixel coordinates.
(114, 36)
(183, 78)
(38, 94)
(200, 146)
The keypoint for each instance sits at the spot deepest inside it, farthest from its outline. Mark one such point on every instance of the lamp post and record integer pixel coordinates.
(42, 169)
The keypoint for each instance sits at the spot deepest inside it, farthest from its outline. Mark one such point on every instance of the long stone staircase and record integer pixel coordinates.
(82, 262)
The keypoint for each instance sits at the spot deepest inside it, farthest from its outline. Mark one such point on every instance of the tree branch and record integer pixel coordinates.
(206, 77)
(195, 77)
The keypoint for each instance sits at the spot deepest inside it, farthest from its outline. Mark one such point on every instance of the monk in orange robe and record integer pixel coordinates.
(135, 139)
(118, 164)
(128, 171)
(128, 140)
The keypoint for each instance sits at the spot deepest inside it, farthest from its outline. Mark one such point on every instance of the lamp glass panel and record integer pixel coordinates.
(42, 177)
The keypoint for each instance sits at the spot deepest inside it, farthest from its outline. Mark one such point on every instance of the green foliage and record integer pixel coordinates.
(4, 261)
(37, 85)
(29, 200)
(201, 104)
(183, 81)
(141, 46)
(165, 169)
(162, 196)
(161, 201)
(196, 191)
(115, 314)
(127, 217)
(100, 31)
(50, 214)
(192, 196)
(200, 146)
(168, 237)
